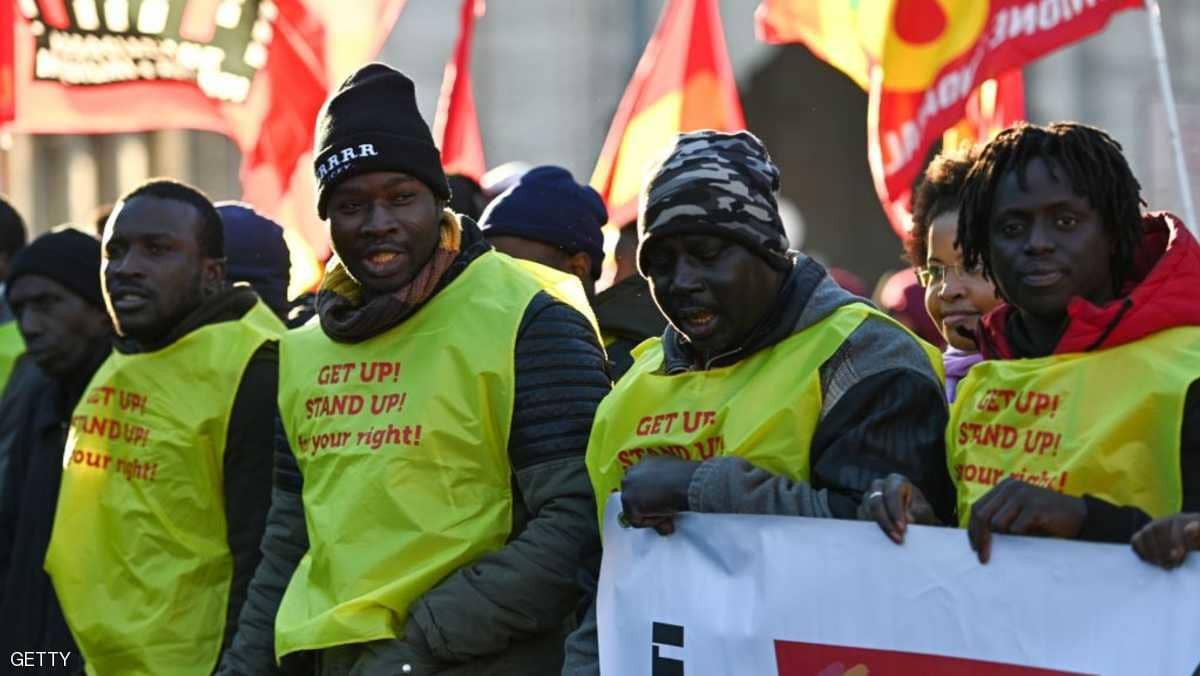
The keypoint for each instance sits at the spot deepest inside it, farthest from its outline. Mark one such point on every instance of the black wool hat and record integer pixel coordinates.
(372, 124)
(69, 257)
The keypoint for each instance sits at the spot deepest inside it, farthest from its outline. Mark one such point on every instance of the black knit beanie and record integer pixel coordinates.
(67, 256)
(372, 124)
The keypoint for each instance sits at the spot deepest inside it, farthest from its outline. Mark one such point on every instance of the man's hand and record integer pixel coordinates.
(895, 502)
(1165, 542)
(656, 489)
(1020, 508)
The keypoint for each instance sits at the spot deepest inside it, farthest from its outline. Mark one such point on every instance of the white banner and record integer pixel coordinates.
(749, 595)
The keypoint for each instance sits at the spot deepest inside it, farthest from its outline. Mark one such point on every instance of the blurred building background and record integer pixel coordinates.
(548, 76)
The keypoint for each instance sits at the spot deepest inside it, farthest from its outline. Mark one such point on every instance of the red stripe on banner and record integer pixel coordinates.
(807, 659)
(199, 21)
(54, 13)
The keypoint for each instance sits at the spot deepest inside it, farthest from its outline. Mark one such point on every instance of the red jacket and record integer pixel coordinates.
(1162, 293)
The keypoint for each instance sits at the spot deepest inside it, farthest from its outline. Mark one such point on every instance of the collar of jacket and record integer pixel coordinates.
(807, 296)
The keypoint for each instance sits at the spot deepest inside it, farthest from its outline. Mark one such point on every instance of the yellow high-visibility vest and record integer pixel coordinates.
(1105, 423)
(402, 440)
(139, 555)
(764, 408)
(562, 286)
(12, 346)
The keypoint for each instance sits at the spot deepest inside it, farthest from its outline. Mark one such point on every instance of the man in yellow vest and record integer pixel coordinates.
(432, 507)
(12, 240)
(1083, 420)
(167, 467)
(773, 391)
(547, 218)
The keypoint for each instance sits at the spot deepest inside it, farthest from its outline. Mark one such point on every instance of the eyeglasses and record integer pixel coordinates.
(935, 273)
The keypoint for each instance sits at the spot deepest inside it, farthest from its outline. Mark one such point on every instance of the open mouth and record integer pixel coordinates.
(381, 262)
(698, 322)
(381, 257)
(966, 319)
(129, 300)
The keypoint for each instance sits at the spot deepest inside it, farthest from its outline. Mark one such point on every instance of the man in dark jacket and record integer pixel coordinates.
(1083, 420)
(54, 290)
(626, 310)
(166, 481)
(433, 426)
(773, 390)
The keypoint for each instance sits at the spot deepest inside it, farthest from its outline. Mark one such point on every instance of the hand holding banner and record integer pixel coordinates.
(736, 594)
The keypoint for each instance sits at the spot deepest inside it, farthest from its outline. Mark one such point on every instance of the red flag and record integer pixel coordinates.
(255, 71)
(683, 82)
(7, 91)
(995, 106)
(456, 126)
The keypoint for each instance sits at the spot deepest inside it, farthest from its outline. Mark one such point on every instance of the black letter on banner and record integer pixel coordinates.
(665, 634)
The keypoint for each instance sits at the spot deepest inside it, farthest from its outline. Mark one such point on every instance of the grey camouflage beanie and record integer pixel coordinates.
(720, 184)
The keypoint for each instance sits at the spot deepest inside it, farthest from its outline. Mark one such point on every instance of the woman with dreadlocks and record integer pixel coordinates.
(1083, 420)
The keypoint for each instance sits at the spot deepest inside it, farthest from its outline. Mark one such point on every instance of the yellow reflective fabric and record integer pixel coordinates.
(139, 556)
(12, 346)
(562, 286)
(402, 440)
(764, 408)
(1104, 423)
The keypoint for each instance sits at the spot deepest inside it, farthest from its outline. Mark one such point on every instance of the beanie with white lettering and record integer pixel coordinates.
(372, 124)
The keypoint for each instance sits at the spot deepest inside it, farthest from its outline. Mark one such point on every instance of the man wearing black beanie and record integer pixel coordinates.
(431, 507)
(54, 290)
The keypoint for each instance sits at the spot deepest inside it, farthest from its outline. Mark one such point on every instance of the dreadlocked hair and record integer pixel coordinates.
(1091, 161)
(939, 190)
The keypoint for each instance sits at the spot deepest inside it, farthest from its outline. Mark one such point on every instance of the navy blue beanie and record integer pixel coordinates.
(548, 206)
(255, 252)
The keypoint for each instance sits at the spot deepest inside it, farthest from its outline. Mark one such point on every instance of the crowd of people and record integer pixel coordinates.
(406, 472)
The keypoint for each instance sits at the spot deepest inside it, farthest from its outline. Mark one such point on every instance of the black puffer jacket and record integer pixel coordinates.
(507, 612)
(627, 315)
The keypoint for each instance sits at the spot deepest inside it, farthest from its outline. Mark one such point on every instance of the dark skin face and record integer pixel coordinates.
(711, 289)
(385, 227)
(578, 264)
(154, 269)
(1048, 246)
(60, 328)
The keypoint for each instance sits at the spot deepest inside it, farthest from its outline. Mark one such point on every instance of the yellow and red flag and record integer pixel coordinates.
(253, 70)
(683, 82)
(923, 61)
(456, 126)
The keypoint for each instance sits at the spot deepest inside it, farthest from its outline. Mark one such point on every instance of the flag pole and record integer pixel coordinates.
(1164, 81)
